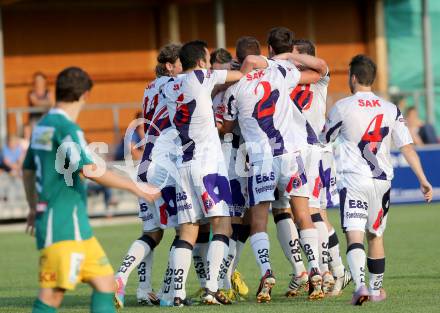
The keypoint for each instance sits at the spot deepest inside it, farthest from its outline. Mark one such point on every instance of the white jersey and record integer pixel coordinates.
(156, 127)
(261, 102)
(367, 127)
(192, 114)
(310, 99)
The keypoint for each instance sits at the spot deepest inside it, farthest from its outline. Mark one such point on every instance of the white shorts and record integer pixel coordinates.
(163, 212)
(279, 179)
(313, 164)
(203, 192)
(238, 173)
(364, 203)
(329, 196)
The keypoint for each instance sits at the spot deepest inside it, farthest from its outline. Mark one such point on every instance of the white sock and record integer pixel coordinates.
(180, 265)
(261, 247)
(288, 237)
(356, 262)
(225, 278)
(144, 273)
(217, 255)
(376, 267)
(138, 250)
(166, 291)
(335, 260)
(322, 242)
(199, 257)
(309, 242)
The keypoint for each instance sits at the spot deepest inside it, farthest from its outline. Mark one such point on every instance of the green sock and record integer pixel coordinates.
(41, 307)
(102, 302)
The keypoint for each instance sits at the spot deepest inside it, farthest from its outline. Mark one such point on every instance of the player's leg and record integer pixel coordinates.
(377, 219)
(181, 260)
(102, 295)
(199, 254)
(165, 293)
(376, 267)
(48, 300)
(138, 250)
(60, 265)
(98, 273)
(288, 238)
(259, 240)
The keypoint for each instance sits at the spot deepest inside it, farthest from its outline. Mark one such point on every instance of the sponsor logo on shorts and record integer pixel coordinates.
(147, 217)
(353, 204)
(265, 178)
(265, 189)
(46, 277)
(207, 201)
(184, 207)
(181, 196)
(361, 216)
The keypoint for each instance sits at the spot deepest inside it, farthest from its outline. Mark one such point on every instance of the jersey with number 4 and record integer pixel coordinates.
(57, 153)
(261, 102)
(367, 127)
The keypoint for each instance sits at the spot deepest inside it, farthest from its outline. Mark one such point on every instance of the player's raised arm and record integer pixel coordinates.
(413, 160)
(252, 62)
(313, 68)
(233, 76)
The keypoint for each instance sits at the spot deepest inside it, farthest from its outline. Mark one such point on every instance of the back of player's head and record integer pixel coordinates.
(191, 53)
(280, 39)
(363, 69)
(168, 54)
(71, 84)
(245, 46)
(221, 56)
(304, 46)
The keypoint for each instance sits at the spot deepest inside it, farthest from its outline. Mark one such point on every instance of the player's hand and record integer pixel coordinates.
(30, 223)
(147, 192)
(426, 189)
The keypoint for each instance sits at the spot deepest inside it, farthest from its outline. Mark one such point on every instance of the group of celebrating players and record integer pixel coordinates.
(227, 141)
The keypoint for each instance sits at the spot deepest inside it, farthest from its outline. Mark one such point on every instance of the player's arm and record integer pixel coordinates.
(332, 127)
(112, 180)
(402, 139)
(413, 160)
(233, 76)
(31, 197)
(252, 62)
(226, 127)
(313, 68)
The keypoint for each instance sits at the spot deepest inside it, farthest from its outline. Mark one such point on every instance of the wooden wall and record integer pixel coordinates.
(118, 45)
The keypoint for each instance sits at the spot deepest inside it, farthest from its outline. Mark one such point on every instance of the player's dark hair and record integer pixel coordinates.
(304, 46)
(168, 54)
(71, 84)
(364, 69)
(280, 39)
(245, 46)
(191, 53)
(221, 56)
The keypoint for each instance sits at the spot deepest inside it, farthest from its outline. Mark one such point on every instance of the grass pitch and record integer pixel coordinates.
(412, 278)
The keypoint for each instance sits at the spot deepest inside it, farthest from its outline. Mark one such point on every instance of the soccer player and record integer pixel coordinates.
(162, 213)
(204, 191)
(367, 126)
(54, 170)
(230, 279)
(310, 99)
(260, 101)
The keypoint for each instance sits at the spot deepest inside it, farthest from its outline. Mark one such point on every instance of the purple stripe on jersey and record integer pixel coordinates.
(229, 105)
(282, 70)
(330, 132)
(311, 136)
(263, 114)
(369, 150)
(251, 191)
(182, 120)
(200, 75)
